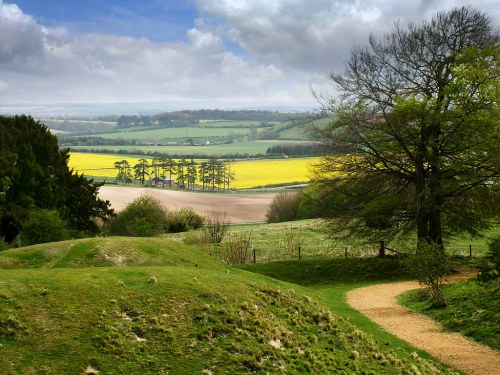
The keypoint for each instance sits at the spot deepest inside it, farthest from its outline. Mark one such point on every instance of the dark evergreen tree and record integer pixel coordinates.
(34, 174)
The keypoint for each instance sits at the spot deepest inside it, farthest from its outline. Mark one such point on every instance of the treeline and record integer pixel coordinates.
(153, 154)
(296, 149)
(98, 141)
(76, 127)
(190, 117)
(213, 174)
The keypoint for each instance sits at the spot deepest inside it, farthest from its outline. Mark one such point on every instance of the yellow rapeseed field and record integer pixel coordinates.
(266, 172)
(248, 173)
(99, 165)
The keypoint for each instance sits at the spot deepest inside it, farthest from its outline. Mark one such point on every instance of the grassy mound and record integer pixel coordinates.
(106, 252)
(473, 310)
(187, 315)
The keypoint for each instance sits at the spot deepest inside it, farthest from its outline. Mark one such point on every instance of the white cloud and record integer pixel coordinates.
(51, 65)
(316, 35)
(287, 46)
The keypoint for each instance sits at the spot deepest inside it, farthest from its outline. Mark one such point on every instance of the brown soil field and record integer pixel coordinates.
(240, 208)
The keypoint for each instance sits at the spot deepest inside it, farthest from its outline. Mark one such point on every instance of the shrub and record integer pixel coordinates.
(284, 207)
(216, 225)
(430, 264)
(42, 226)
(3, 244)
(183, 220)
(490, 268)
(144, 217)
(237, 249)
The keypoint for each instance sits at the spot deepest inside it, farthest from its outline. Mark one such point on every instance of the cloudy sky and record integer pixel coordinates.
(226, 52)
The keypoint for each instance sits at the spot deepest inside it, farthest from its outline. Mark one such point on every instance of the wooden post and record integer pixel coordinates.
(254, 258)
(381, 250)
(346, 251)
(299, 252)
(470, 251)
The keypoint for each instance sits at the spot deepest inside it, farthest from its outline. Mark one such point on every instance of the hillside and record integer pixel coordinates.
(234, 133)
(153, 306)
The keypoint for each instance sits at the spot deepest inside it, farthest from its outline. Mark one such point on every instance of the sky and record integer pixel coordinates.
(196, 53)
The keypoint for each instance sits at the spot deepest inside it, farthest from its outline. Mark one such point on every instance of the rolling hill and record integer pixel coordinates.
(155, 306)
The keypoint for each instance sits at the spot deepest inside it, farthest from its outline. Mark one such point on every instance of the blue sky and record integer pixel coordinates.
(155, 20)
(196, 53)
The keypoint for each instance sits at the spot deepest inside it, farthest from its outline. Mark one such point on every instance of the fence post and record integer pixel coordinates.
(254, 258)
(381, 250)
(299, 252)
(470, 251)
(346, 251)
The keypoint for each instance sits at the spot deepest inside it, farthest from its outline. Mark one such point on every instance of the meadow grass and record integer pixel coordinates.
(104, 252)
(280, 241)
(459, 245)
(73, 314)
(230, 124)
(237, 148)
(328, 281)
(174, 133)
(473, 309)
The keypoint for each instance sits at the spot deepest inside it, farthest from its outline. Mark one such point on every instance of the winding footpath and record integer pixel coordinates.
(379, 303)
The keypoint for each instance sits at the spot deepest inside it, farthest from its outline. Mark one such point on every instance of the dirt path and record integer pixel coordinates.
(378, 302)
(240, 208)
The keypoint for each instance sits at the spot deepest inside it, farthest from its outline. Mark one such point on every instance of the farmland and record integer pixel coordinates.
(248, 173)
(239, 148)
(175, 133)
(208, 137)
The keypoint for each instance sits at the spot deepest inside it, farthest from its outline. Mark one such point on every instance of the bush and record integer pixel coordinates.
(430, 264)
(144, 217)
(490, 268)
(237, 249)
(3, 244)
(42, 226)
(183, 220)
(216, 225)
(284, 207)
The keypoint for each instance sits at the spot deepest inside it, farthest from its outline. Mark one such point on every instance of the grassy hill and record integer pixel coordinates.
(235, 137)
(154, 306)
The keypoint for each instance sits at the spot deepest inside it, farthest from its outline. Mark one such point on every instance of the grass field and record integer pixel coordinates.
(230, 124)
(153, 306)
(280, 241)
(239, 148)
(248, 174)
(174, 133)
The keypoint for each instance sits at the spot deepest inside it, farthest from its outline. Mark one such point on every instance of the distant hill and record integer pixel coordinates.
(192, 117)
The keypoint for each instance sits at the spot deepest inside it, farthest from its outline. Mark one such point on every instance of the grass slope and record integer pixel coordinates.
(105, 252)
(153, 306)
(473, 310)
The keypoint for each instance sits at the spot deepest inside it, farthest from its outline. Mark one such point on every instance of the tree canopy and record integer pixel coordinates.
(416, 139)
(34, 174)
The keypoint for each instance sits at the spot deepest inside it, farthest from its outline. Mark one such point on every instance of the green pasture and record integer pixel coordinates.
(175, 133)
(230, 124)
(240, 148)
(154, 306)
(281, 241)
